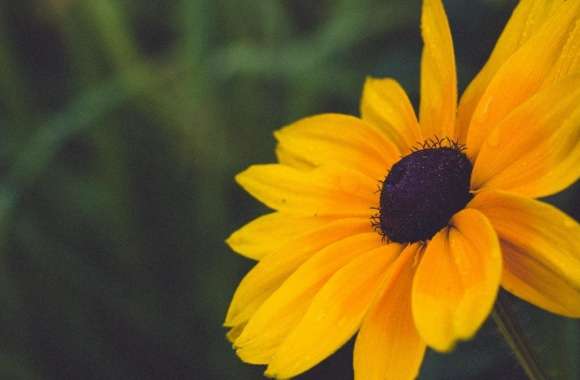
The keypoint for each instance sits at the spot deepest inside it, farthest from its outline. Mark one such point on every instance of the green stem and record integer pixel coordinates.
(514, 337)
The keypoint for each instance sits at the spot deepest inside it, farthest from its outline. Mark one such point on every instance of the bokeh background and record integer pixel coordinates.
(122, 124)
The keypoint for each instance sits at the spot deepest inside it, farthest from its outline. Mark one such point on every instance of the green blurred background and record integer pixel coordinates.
(122, 124)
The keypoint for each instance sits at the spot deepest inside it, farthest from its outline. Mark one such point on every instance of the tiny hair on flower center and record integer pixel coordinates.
(422, 191)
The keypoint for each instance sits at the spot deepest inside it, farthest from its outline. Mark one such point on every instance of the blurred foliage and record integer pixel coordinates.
(122, 124)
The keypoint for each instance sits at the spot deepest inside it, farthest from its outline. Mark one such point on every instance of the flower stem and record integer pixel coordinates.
(514, 337)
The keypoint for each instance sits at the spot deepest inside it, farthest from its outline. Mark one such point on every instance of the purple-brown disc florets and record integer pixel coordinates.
(422, 192)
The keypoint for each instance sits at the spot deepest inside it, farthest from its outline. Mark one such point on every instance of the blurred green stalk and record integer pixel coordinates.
(516, 340)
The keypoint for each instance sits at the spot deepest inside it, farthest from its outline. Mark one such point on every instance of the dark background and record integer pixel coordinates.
(122, 124)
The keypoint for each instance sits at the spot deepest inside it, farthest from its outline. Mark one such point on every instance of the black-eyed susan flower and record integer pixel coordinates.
(419, 261)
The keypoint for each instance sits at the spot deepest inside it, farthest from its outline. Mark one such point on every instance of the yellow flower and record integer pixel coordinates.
(419, 262)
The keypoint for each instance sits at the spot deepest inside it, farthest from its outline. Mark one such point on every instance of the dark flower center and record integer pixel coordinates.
(422, 192)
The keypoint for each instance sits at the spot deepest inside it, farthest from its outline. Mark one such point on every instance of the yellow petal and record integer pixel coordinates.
(268, 328)
(532, 280)
(541, 249)
(318, 192)
(342, 140)
(234, 332)
(438, 77)
(268, 233)
(334, 315)
(385, 104)
(288, 158)
(388, 345)
(457, 281)
(535, 151)
(526, 20)
(272, 270)
(568, 62)
(523, 74)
